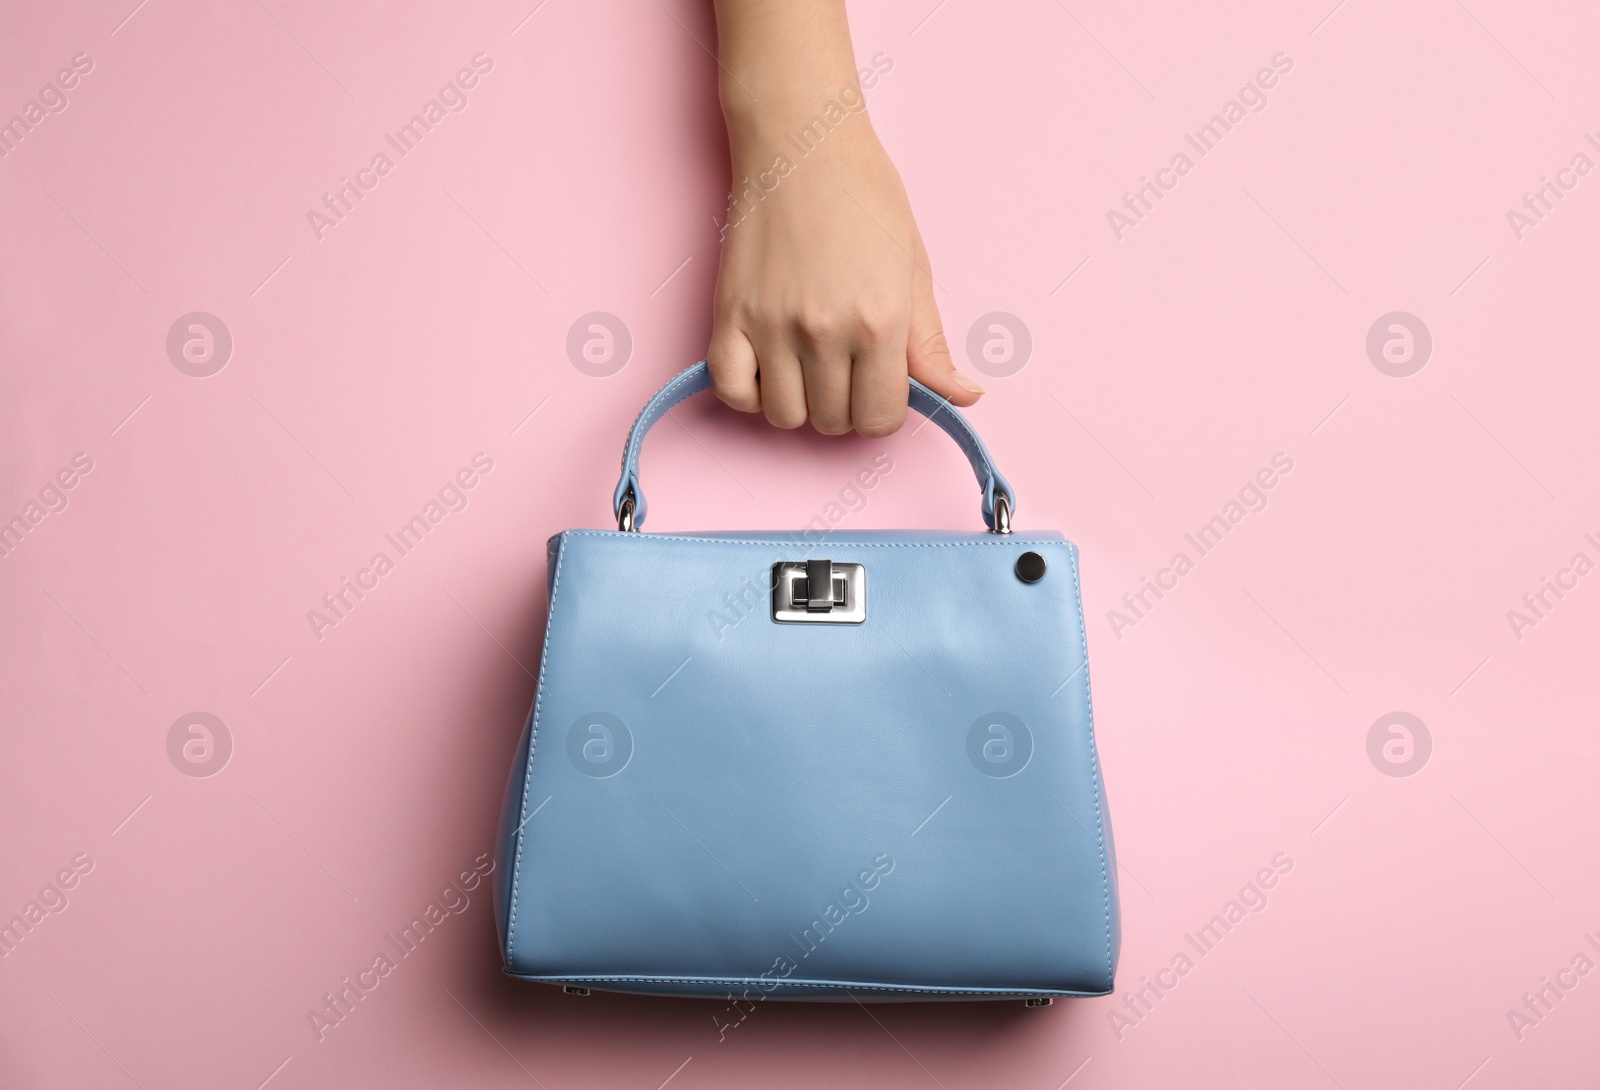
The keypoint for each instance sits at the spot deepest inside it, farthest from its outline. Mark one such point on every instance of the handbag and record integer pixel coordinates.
(860, 766)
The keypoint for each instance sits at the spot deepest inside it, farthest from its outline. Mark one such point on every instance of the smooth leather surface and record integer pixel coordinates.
(774, 765)
(698, 379)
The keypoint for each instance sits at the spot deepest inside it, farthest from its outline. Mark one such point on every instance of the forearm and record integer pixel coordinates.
(824, 301)
(781, 62)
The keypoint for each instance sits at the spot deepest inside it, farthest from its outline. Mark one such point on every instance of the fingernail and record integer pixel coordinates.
(968, 385)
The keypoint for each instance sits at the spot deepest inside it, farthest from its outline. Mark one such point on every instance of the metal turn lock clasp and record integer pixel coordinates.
(819, 592)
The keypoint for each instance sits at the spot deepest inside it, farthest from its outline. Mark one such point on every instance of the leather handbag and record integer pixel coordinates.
(855, 767)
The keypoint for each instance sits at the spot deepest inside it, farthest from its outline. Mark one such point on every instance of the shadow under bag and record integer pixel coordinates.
(861, 767)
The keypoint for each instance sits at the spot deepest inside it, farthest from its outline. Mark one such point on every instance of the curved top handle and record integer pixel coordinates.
(998, 499)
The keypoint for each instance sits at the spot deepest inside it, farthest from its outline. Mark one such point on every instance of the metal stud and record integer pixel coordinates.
(1030, 567)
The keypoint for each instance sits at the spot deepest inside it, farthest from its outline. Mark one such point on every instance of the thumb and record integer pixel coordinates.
(928, 354)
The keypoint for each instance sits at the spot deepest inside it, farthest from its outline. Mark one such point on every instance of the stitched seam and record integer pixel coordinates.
(1094, 756)
(533, 745)
(940, 404)
(661, 395)
(850, 544)
(630, 452)
(799, 984)
(968, 440)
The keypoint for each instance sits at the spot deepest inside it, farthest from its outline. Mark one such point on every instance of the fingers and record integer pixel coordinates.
(732, 362)
(783, 386)
(840, 375)
(826, 363)
(878, 388)
(928, 354)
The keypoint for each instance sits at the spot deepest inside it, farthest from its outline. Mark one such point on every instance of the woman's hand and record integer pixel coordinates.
(824, 298)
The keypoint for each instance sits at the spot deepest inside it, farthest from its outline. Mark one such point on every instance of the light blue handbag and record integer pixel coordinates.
(860, 766)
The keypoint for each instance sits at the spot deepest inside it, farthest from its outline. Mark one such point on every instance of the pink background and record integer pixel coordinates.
(1167, 368)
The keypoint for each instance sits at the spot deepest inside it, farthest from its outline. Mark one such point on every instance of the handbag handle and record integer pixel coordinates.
(998, 499)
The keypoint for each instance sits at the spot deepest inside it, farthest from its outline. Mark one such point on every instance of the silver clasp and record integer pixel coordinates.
(819, 592)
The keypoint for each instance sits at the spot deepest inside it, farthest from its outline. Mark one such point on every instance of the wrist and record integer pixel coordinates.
(799, 123)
